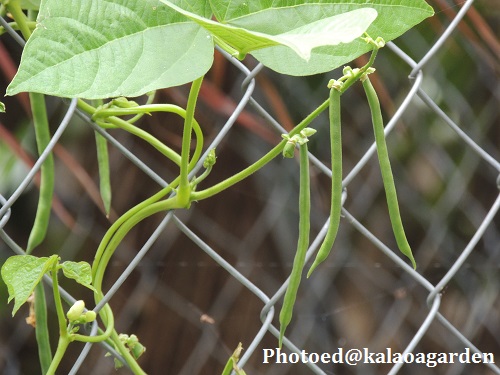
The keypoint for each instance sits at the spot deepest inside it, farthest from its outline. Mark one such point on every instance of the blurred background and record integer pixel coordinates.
(188, 311)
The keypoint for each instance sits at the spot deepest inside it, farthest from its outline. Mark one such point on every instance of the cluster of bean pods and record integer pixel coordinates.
(337, 87)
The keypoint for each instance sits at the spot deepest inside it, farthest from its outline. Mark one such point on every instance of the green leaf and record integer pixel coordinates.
(395, 17)
(99, 49)
(2, 107)
(21, 274)
(232, 363)
(342, 28)
(80, 272)
(199, 7)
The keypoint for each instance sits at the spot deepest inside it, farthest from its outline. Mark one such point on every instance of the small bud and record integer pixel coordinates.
(118, 363)
(380, 42)
(307, 132)
(302, 140)
(137, 350)
(123, 337)
(289, 149)
(347, 71)
(365, 75)
(210, 159)
(335, 84)
(123, 102)
(75, 311)
(132, 340)
(89, 316)
(367, 39)
(237, 353)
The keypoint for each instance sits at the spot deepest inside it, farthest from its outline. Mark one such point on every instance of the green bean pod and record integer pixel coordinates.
(42, 330)
(386, 170)
(336, 200)
(302, 243)
(42, 135)
(104, 173)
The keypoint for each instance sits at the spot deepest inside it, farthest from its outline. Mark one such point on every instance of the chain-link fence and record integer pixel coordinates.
(194, 283)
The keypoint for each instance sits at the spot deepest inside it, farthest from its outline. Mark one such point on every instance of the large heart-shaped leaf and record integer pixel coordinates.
(99, 49)
(341, 28)
(395, 17)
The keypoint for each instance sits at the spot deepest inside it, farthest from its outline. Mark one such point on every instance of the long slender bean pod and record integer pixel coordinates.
(42, 135)
(302, 243)
(336, 199)
(386, 170)
(42, 330)
(104, 174)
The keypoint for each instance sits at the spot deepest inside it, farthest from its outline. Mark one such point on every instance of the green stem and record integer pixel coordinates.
(184, 190)
(42, 329)
(217, 188)
(143, 109)
(302, 244)
(355, 77)
(61, 316)
(110, 323)
(109, 236)
(122, 124)
(170, 108)
(151, 98)
(31, 25)
(64, 338)
(120, 346)
(201, 177)
(111, 113)
(153, 141)
(150, 209)
(62, 345)
(14, 7)
(386, 170)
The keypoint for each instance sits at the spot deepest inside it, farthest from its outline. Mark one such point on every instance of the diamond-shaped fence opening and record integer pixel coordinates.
(193, 283)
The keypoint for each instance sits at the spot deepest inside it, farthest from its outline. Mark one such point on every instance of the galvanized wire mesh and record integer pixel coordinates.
(193, 283)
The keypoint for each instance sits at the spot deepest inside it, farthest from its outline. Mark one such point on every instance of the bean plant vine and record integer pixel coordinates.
(112, 108)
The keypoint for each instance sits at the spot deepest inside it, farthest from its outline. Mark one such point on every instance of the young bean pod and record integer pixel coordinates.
(42, 328)
(104, 172)
(336, 200)
(385, 168)
(42, 135)
(302, 243)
